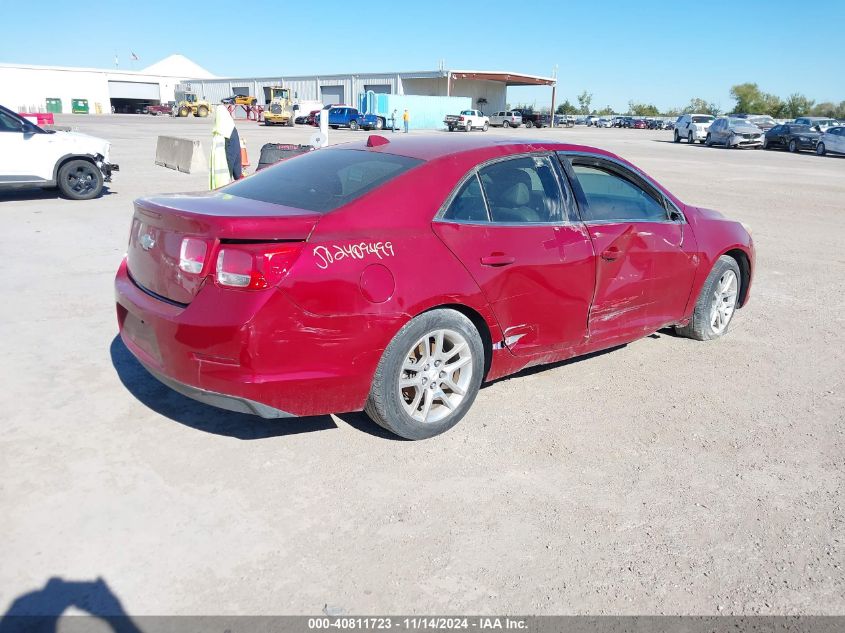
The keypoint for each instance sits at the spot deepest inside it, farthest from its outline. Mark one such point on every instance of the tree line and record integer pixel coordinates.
(748, 98)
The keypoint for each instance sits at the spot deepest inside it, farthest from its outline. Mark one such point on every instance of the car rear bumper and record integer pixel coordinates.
(252, 351)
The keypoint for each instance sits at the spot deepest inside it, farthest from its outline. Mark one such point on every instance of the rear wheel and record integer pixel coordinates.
(506, 123)
(531, 124)
(183, 111)
(708, 141)
(428, 376)
(80, 180)
(793, 146)
(820, 149)
(717, 302)
(677, 136)
(690, 139)
(468, 128)
(485, 127)
(353, 125)
(379, 124)
(202, 111)
(765, 144)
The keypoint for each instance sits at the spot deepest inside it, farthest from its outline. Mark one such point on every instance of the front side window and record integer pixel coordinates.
(8, 123)
(612, 197)
(522, 190)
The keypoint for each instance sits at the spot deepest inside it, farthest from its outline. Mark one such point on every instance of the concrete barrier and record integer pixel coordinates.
(181, 154)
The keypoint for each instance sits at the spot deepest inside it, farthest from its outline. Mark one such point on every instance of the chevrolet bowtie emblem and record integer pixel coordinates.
(147, 241)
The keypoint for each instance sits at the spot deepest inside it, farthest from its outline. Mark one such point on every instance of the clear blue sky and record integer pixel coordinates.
(646, 51)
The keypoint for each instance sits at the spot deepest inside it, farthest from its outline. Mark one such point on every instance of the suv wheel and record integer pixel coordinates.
(80, 180)
(506, 123)
(793, 146)
(690, 139)
(820, 149)
(676, 136)
(353, 125)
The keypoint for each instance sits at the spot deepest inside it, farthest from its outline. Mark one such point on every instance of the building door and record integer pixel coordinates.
(331, 95)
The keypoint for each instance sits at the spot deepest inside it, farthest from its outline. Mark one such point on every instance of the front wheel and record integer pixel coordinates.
(485, 127)
(690, 139)
(353, 125)
(708, 141)
(202, 111)
(820, 149)
(531, 124)
(428, 377)
(765, 144)
(677, 137)
(80, 180)
(184, 111)
(793, 146)
(717, 302)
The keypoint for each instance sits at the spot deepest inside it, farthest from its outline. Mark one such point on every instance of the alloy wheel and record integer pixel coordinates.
(724, 301)
(435, 375)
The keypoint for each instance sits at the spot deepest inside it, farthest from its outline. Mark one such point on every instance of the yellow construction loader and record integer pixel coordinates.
(188, 104)
(280, 110)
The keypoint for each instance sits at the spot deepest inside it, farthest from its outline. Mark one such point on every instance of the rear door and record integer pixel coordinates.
(516, 231)
(646, 253)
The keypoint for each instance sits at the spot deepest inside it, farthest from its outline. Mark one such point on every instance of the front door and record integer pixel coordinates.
(515, 230)
(646, 254)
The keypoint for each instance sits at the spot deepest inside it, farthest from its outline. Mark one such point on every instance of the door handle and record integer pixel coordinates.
(497, 260)
(611, 254)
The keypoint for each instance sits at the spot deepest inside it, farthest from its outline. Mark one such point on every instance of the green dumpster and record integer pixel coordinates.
(79, 106)
(54, 105)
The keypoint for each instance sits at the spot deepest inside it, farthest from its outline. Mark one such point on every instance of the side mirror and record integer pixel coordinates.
(28, 128)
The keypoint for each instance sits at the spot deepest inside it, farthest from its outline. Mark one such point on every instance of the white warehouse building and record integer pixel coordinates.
(27, 88)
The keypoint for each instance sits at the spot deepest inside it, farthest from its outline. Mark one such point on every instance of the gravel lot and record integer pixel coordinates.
(667, 476)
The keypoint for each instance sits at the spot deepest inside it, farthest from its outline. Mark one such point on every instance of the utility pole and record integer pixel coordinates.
(554, 87)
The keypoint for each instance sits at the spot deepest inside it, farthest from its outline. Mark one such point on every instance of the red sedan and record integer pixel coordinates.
(639, 124)
(397, 276)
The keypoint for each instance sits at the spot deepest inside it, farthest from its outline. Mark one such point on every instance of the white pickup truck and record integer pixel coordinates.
(31, 157)
(467, 120)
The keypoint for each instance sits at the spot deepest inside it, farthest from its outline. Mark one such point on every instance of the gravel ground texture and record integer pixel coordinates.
(666, 476)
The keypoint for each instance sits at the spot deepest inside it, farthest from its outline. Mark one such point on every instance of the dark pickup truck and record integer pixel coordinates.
(535, 119)
(164, 108)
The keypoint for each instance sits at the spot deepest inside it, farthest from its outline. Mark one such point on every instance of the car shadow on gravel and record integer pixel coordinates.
(202, 417)
(21, 195)
(561, 363)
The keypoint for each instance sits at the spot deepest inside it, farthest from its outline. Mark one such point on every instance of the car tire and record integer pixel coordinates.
(451, 128)
(485, 127)
(717, 302)
(379, 124)
(202, 111)
(80, 180)
(765, 144)
(416, 410)
(677, 137)
(506, 123)
(529, 124)
(468, 127)
(334, 127)
(353, 125)
(820, 149)
(793, 146)
(708, 140)
(184, 112)
(690, 140)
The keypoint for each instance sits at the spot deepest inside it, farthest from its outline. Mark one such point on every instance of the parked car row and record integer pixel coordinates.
(818, 134)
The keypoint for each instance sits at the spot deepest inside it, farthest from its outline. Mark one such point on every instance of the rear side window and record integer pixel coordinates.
(468, 205)
(322, 180)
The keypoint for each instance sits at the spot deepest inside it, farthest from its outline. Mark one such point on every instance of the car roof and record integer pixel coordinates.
(431, 147)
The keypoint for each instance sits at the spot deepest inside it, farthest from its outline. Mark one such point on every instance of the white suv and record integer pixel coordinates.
(31, 157)
(693, 127)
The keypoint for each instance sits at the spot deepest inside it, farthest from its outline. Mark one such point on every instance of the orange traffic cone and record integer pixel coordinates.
(244, 157)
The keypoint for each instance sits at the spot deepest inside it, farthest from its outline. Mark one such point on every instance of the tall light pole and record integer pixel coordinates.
(554, 87)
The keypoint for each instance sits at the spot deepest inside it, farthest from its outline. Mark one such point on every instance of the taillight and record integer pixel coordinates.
(192, 255)
(461, 119)
(255, 266)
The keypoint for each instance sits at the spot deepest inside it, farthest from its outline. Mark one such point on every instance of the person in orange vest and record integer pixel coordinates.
(406, 118)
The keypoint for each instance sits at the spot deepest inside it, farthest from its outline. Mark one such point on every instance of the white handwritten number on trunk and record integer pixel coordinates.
(327, 255)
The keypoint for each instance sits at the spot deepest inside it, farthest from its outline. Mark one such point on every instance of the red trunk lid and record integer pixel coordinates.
(160, 224)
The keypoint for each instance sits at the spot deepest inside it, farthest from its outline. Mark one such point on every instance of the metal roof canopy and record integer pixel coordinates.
(508, 78)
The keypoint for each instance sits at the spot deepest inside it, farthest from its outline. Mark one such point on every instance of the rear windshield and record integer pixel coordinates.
(322, 180)
(702, 119)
